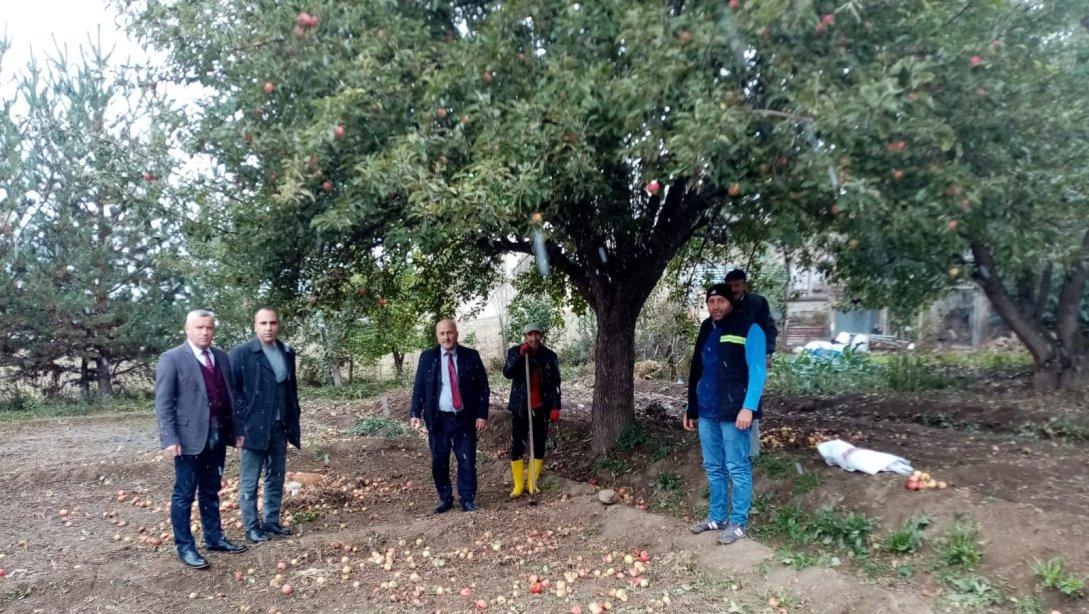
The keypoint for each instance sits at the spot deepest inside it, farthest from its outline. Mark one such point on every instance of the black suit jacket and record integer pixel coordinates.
(472, 383)
(255, 381)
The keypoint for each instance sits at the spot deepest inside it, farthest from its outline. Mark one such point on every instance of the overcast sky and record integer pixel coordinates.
(37, 27)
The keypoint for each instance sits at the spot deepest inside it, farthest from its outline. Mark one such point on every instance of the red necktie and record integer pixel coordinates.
(207, 360)
(454, 392)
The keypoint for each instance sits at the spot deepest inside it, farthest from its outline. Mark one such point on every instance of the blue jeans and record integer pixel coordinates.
(726, 461)
(272, 461)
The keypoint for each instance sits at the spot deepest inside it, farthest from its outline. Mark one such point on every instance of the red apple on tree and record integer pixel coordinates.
(898, 174)
(828, 19)
(339, 131)
(734, 4)
(975, 60)
(303, 19)
(734, 190)
(952, 225)
(653, 187)
(686, 36)
(440, 112)
(269, 87)
(327, 185)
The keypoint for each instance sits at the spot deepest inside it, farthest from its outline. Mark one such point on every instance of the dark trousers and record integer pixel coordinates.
(519, 434)
(273, 462)
(195, 473)
(453, 432)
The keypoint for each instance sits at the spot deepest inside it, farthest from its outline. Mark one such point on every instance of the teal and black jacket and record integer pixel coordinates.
(728, 368)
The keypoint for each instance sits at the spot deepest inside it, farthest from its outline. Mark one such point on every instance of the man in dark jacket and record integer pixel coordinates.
(725, 383)
(755, 305)
(451, 396)
(264, 375)
(196, 411)
(544, 395)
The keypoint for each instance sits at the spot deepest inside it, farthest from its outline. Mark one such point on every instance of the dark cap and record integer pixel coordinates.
(736, 274)
(720, 290)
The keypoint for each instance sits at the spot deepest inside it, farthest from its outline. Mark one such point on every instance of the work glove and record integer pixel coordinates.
(524, 349)
(554, 416)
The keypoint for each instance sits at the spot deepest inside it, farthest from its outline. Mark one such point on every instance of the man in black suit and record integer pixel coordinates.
(264, 376)
(451, 397)
(196, 411)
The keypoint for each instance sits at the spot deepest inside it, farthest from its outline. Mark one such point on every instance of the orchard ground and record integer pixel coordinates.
(86, 501)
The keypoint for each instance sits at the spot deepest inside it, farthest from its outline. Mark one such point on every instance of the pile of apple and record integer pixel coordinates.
(921, 480)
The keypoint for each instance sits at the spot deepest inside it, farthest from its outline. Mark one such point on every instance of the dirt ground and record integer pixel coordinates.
(86, 504)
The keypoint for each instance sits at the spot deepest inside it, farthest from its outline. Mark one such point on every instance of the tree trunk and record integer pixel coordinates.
(399, 363)
(105, 381)
(84, 379)
(614, 387)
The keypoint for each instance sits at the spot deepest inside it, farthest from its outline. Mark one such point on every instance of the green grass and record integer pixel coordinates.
(971, 591)
(1029, 604)
(653, 443)
(1053, 574)
(896, 372)
(670, 482)
(800, 560)
(960, 548)
(829, 527)
(848, 531)
(22, 407)
(305, 516)
(908, 538)
(380, 427)
(806, 483)
(614, 465)
(355, 391)
(773, 465)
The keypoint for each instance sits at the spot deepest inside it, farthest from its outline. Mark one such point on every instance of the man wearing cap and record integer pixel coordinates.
(724, 388)
(756, 305)
(451, 397)
(544, 396)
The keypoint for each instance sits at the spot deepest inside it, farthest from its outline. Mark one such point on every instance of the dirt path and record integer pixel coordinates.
(366, 540)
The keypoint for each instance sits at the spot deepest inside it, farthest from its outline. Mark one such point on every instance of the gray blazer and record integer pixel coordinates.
(181, 401)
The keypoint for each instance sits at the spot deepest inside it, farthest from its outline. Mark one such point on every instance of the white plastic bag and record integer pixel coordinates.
(842, 454)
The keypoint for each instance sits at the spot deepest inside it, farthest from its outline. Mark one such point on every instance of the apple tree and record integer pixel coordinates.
(960, 132)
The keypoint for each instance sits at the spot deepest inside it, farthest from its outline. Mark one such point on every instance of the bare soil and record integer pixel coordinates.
(366, 539)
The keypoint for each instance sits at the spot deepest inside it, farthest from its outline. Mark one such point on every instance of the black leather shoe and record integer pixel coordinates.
(443, 506)
(275, 528)
(225, 546)
(469, 506)
(256, 536)
(192, 558)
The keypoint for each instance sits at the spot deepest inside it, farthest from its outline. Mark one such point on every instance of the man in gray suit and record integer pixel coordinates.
(196, 410)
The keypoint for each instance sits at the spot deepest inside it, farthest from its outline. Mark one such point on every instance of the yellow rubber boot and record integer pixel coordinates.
(534, 475)
(517, 471)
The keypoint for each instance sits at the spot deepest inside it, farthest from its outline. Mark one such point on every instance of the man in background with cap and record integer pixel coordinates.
(451, 397)
(544, 396)
(756, 306)
(725, 384)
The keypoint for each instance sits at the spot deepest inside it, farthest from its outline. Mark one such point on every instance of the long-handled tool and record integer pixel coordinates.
(529, 417)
